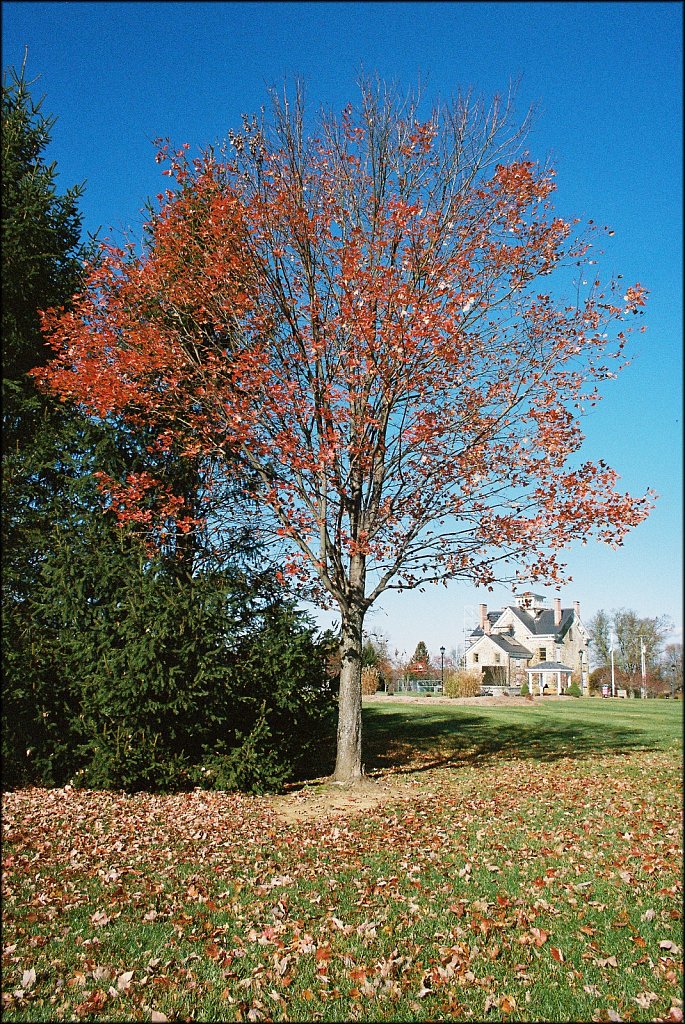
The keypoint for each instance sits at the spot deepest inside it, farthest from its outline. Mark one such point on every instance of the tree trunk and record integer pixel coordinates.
(348, 762)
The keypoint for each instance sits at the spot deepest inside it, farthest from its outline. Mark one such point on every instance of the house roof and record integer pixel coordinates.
(537, 625)
(505, 643)
(543, 624)
(510, 646)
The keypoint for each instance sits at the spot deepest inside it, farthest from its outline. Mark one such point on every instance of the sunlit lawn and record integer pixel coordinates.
(527, 865)
(546, 730)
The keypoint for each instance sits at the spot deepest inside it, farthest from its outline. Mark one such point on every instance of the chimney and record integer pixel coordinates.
(557, 611)
(483, 616)
(576, 608)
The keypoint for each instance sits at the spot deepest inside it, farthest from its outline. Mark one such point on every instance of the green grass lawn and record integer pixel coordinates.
(526, 865)
(542, 731)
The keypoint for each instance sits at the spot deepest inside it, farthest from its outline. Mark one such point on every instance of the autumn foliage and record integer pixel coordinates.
(363, 322)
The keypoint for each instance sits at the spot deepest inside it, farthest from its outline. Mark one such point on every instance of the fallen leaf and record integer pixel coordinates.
(281, 965)
(28, 980)
(645, 999)
(124, 981)
(557, 954)
(667, 944)
(158, 1017)
(609, 961)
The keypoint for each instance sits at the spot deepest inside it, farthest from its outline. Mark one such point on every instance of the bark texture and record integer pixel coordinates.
(348, 763)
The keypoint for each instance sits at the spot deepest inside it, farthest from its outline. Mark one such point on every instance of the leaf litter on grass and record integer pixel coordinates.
(535, 894)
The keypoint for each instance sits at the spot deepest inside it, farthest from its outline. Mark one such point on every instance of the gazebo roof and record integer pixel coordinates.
(550, 666)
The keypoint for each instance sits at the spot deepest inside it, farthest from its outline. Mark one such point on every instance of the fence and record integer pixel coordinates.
(422, 685)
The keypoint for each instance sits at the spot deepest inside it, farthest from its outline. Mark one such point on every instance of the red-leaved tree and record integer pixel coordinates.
(362, 323)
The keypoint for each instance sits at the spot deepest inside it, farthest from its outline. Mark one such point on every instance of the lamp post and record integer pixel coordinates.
(442, 669)
(674, 666)
(643, 668)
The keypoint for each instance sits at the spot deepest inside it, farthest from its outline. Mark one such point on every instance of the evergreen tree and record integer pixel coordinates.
(123, 669)
(147, 679)
(421, 656)
(42, 256)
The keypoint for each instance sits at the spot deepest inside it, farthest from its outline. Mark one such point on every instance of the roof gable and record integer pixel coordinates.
(539, 626)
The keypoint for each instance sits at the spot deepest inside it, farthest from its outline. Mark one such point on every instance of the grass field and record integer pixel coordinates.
(519, 863)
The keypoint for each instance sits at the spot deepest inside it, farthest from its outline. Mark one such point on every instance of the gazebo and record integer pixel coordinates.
(546, 670)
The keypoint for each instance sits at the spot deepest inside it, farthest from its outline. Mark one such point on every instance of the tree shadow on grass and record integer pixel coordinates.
(404, 744)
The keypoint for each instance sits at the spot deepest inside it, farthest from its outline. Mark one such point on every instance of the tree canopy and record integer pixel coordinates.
(629, 634)
(363, 318)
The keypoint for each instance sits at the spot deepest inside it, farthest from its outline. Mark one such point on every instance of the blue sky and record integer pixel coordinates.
(607, 82)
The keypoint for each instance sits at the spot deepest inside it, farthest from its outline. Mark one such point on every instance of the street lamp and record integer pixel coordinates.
(674, 666)
(442, 669)
(643, 667)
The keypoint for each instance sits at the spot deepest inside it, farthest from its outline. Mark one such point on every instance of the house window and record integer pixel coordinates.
(497, 659)
(570, 634)
(475, 659)
(542, 654)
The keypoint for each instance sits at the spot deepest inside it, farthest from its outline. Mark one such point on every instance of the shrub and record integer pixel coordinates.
(525, 689)
(574, 689)
(462, 683)
(371, 678)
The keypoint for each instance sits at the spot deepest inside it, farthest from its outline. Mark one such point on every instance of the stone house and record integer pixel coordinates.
(530, 642)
